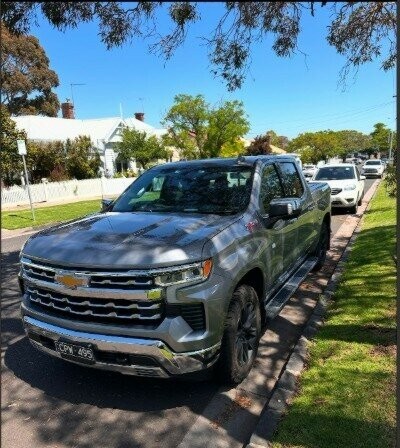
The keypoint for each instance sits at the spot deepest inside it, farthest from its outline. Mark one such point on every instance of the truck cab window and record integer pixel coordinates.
(291, 180)
(271, 187)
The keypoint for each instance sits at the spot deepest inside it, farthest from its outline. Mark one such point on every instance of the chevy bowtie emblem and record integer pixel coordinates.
(71, 281)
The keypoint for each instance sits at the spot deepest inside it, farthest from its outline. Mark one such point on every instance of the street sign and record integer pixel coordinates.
(21, 147)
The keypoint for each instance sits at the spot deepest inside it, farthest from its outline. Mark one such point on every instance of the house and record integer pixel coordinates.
(103, 132)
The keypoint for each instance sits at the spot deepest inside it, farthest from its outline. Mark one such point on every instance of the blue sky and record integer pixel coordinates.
(288, 95)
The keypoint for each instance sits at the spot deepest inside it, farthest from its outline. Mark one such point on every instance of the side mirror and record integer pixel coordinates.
(105, 204)
(284, 208)
(362, 177)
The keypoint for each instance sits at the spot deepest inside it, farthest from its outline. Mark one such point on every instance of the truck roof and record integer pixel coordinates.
(223, 161)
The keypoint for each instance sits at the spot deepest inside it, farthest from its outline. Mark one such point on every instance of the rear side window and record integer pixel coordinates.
(291, 180)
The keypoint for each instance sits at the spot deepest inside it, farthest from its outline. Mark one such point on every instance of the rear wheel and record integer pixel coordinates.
(241, 337)
(322, 247)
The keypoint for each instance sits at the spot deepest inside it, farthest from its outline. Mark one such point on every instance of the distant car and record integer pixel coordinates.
(309, 170)
(373, 168)
(347, 186)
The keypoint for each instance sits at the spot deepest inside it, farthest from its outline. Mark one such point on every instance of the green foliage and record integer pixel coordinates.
(200, 131)
(233, 149)
(27, 80)
(360, 31)
(351, 141)
(137, 145)
(391, 181)
(82, 162)
(46, 160)
(315, 146)
(380, 139)
(10, 161)
(225, 125)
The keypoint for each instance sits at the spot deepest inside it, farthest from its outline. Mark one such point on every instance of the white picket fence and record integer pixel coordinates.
(56, 191)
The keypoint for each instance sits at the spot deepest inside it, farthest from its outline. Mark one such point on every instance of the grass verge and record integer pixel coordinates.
(46, 215)
(347, 394)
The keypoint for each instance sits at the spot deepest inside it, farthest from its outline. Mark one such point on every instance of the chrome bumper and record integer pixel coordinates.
(169, 362)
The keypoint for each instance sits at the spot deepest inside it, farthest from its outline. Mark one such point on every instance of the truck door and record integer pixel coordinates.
(302, 233)
(271, 188)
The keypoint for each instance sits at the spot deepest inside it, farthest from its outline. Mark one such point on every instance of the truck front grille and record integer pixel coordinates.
(335, 191)
(100, 310)
(370, 170)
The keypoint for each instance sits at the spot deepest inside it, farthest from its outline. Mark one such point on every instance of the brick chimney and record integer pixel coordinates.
(139, 116)
(67, 109)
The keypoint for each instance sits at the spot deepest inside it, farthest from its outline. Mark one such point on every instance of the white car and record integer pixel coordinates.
(373, 168)
(309, 170)
(347, 186)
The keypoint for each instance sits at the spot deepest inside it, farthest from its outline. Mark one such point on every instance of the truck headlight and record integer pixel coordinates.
(350, 187)
(185, 274)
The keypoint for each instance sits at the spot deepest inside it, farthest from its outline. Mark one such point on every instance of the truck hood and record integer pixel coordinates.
(127, 240)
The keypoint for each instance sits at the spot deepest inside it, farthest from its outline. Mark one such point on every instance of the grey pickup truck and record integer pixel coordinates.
(181, 272)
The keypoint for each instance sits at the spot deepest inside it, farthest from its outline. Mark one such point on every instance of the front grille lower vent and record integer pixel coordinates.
(192, 313)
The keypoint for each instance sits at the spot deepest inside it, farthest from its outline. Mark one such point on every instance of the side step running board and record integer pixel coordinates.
(278, 301)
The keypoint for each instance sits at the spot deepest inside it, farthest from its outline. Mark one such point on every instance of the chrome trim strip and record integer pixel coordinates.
(122, 273)
(173, 363)
(127, 294)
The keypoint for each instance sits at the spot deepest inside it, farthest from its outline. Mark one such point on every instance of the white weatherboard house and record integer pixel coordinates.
(103, 132)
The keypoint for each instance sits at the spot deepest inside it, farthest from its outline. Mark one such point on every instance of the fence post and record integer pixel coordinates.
(44, 183)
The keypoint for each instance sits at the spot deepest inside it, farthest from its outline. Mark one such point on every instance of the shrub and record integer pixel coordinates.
(390, 181)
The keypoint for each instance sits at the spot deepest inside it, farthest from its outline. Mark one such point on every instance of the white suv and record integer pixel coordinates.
(347, 186)
(373, 168)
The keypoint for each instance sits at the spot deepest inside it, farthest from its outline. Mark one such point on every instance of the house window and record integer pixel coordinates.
(121, 165)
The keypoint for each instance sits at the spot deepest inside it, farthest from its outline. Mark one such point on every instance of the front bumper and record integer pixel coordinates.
(344, 199)
(129, 355)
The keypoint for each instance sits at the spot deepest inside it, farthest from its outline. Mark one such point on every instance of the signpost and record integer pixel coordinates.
(22, 152)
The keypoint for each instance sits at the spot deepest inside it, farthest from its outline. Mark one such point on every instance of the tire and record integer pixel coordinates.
(241, 337)
(353, 210)
(361, 198)
(322, 247)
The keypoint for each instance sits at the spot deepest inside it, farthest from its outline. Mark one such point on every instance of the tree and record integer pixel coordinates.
(360, 31)
(350, 141)
(260, 145)
(46, 160)
(10, 161)
(27, 79)
(82, 162)
(233, 149)
(144, 149)
(380, 139)
(315, 145)
(278, 140)
(199, 130)
(225, 125)
(187, 122)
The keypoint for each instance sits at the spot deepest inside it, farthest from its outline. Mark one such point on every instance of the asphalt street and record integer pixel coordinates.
(47, 402)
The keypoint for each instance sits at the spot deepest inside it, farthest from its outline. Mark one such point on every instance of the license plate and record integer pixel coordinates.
(82, 353)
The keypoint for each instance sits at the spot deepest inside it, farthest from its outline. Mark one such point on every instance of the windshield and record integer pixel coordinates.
(373, 162)
(219, 189)
(335, 173)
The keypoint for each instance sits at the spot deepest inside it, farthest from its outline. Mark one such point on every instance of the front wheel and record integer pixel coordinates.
(241, 337)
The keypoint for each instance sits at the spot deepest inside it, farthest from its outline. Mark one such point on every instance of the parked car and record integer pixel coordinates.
(178, 279)
(347, 186)
(373, 168)
(309, 170)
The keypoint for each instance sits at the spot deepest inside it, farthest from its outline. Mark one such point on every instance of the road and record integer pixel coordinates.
(50, 403)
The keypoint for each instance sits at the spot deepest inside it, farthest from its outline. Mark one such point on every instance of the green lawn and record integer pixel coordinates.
(347, 394)
(46, 215)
